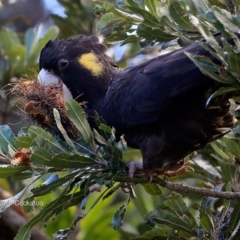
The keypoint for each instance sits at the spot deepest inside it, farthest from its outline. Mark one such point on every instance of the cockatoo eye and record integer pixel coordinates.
(62, 63)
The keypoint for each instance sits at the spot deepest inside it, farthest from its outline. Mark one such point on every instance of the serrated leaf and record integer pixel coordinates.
(22, 176)
(6, 138)
(65, 160)
(154, 34)
(23, 141)
(177, 12)
(62, 160)
(147, 16)
(9, 170)
(229, 21)
(178, 207)
(57, 118)
(152, 188)
(78, 117)
(206, 66)
(40, 156)
(41, 138)
(105, 131)
(207, 34)
(163, 217)
(47, 188)
(118, 216)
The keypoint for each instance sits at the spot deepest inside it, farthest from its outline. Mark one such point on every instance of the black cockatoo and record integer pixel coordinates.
(159, 106)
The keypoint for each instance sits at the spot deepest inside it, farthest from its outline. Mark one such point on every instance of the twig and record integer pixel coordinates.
(201, 191)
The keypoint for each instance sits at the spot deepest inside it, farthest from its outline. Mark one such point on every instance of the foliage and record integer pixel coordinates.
(80, 18)
(17, 55)
(74, 168)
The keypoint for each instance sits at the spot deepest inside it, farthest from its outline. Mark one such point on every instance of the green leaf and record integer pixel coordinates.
(8, 40)
(10, 170)
(207, 34)
(232, 147)
(38, 44)
(105, 20)
(42, 138)
(100, 140)
(78, 117)
(62, 160)
(201, 7)
(162, 230)
(152, 188)
(154, 34)
(131, 3)
(160, 215)
(177, 13)
(230, 22)
(40, 156)
(206, 66)
(235, 232)
(23, 142)
(120, 13)
(148, 17)
(57, 118)
(235, 216)
(118, 216)
(54, 207)
(6, 138)
(22, 176)
(29, 36)
(130, 39)
(165, 21)
(234, 62)
(105, 131)
(205, 213)
(151, 7)
(65, 160)
(47, 188)
(178, 207)
(220, 92)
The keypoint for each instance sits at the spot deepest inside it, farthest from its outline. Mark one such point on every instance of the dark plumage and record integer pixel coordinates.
(159, 106)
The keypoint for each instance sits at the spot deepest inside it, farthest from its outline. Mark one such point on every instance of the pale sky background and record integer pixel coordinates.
(55, 7)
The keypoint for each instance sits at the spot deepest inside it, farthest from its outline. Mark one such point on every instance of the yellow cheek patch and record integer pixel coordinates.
(91, 63)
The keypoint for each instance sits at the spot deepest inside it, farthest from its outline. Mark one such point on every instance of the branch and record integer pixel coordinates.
(201, 191)
(179, 187)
